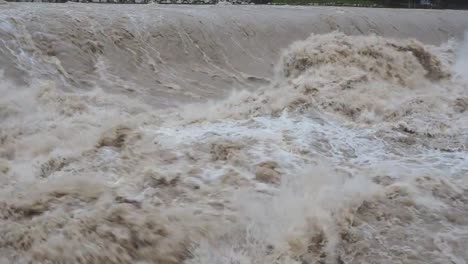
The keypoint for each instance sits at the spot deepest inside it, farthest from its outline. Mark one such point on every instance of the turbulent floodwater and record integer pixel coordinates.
(177, 134)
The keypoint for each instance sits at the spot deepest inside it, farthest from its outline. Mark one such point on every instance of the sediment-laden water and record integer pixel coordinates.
(221, 134)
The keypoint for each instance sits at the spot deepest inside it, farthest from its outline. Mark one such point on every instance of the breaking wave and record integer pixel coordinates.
(350, 149)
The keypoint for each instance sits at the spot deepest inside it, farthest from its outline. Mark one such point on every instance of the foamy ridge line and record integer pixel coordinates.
(184, 52)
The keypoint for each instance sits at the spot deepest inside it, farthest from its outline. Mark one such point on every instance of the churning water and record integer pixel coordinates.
(147, 134)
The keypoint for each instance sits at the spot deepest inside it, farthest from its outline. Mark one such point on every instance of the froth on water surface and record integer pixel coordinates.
(345, 147)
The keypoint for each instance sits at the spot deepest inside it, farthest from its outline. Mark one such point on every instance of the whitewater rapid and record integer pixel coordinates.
(232, 134)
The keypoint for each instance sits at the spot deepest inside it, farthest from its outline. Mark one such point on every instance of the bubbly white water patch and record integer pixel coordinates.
(295, 140)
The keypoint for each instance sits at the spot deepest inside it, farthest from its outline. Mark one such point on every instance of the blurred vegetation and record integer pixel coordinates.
(455, 4)
(331, 2)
